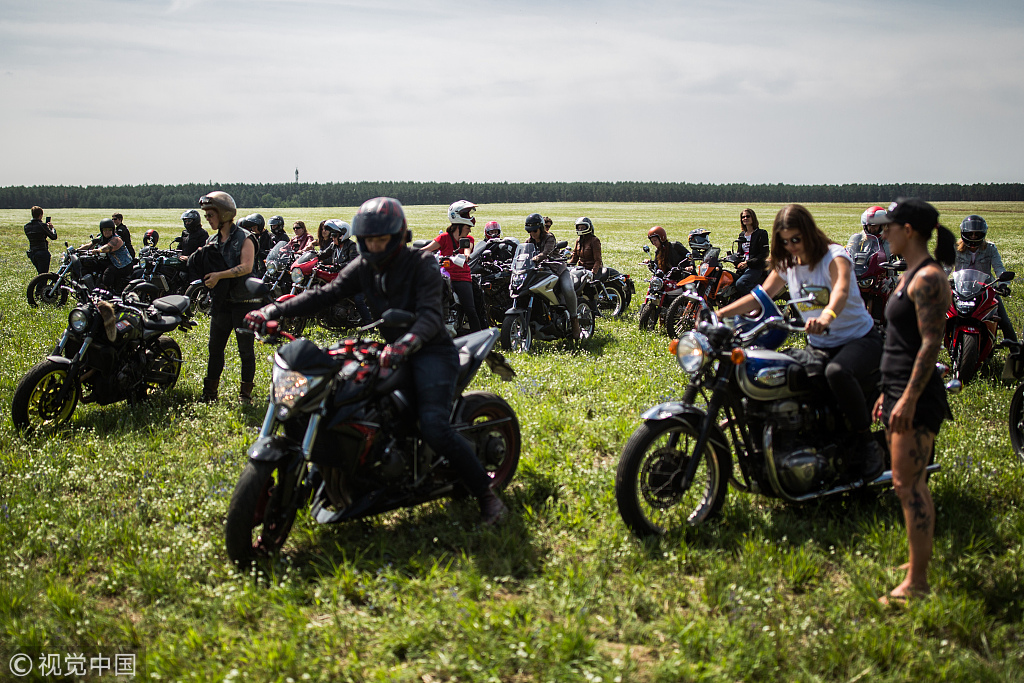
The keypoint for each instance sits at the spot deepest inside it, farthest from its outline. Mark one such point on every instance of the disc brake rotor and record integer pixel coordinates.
(660, 477)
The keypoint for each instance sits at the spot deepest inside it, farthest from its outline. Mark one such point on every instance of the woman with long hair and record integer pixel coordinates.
(753, 242)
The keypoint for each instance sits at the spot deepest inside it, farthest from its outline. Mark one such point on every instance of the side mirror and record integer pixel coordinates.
(1006, 276)
(561, 245)
(647, 248)
(820, 294)
(464, 243)
(396, 317)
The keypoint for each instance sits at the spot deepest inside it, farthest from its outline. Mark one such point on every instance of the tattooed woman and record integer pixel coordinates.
(913, 401)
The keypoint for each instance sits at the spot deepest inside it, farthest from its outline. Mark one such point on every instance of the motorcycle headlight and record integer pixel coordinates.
(289, 386)
(271, 268)
(78, 320)
(964, 306)
(297, 275)
(867, 282)
(693, 353)
(517, 279)
(656, 284)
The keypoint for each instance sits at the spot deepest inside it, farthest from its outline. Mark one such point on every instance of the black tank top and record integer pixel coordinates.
(902, 335)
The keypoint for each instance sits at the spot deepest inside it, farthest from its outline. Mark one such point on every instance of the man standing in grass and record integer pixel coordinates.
(121, 230)
(37, 233)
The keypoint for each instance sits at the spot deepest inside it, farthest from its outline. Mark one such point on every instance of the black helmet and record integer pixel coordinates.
(253, 221)
(192, 220)
(533, 222)
(150, 238)
(107, 224)
(976, 227)
(584, 226)
(276, 221)
(377, 217)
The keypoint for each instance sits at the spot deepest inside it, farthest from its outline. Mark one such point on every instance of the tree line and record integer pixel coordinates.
(294, 195)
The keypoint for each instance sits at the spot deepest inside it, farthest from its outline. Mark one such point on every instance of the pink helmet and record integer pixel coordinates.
(492, 230)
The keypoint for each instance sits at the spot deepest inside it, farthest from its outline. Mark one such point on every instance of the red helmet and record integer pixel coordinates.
(150, 238)
(874, 216)
(492, 230)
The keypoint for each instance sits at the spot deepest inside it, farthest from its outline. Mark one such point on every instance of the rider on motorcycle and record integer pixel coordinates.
(460, 215)
(753, 242)
(255, 224)
(117, 273)
(587, 251)
(974, 251)
(193, 236)
(392, 275)
(342, 249)
(492, 230)
(277, 229)
(872, 221)
(545, 243)
(802, 254)
(667, 255)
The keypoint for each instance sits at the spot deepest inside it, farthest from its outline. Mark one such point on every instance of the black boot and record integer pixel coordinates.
(210, 390)
(245, 393)
(492, 510)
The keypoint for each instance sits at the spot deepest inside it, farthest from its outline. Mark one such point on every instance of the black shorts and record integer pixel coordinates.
(932, 406)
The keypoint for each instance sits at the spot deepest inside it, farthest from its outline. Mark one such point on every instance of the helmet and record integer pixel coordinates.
(338, 228)
(534, 221)
(380, 216)
(492, 230)
(252, 221)
(460, 213)
(699, 238)
(107, 224)
(192, 219)
(222, 202)
(874, 216)
(150, 238)
(584, 226)
(976, 227)
(659, 231)
(276, 222)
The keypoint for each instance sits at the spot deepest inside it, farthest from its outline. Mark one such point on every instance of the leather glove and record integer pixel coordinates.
(257, 320)
(394, 354)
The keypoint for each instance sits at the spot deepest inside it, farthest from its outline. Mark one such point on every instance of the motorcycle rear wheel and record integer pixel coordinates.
(647, 480)
(967, 362)
(515, 333)
(163, 371)
(497, 447)
(586, 317)
(649, 317)
(255, 527)
(37, 291)
(1016, 419)
(199, 299)
(615, 303)
(35, 405)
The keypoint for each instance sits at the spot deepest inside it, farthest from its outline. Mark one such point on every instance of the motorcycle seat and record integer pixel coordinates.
(164, 323)
(602, 275)
(173, 304)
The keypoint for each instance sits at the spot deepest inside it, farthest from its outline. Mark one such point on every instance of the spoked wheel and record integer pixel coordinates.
(648, 483)
(516, 334)
(1017, 421)
(37, 401)
(614, 303)
(199, 298)
(256, 525)
(681, 317)
(586, 317)
(498, 445)
(649, 317)
(967, 358)
(43, 290)
(162, 373)
(294, 326)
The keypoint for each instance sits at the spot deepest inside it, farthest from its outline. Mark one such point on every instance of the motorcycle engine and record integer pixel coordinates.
(796, 434)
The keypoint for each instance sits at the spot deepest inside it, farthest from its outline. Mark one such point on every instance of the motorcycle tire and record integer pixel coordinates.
(37, 288)
(163, 371)
(615, 303)
(1016, 419)
(681, 317)
(294, 326)
(516, 334)
(649, 315)
(967, 362)
(254, 528)
(34, 406)
(646, 481)
(586, 316)
(199, 298)
(497, 447)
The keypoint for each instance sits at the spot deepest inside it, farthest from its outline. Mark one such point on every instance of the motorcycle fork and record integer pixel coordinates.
(76, 363)
(717, 400)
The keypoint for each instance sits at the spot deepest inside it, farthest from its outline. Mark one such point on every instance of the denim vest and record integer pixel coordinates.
(120, 258)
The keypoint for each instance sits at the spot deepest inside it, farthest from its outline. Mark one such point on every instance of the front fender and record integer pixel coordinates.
(517, 311)
(59, 359)
(274, 449)
(692, 415)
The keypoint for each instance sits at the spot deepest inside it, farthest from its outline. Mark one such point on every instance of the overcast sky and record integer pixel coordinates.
(791, 91)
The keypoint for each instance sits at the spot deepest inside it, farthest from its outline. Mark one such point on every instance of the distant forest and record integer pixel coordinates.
(293, 195)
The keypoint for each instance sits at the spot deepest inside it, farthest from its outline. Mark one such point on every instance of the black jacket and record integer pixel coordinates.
(266, 243)
(126, 237)
(412, 282)
(758, 255)
(192, 240)
(37, 233)
(674, 254)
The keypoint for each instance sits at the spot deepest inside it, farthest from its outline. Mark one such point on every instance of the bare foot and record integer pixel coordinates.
(901, 595)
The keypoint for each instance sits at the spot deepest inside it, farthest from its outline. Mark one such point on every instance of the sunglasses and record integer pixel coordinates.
(745, 217)
(792, 240)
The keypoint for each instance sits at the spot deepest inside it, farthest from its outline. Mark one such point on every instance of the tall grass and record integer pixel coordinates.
(112, 529)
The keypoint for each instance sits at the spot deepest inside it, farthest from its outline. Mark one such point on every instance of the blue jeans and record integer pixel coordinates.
(434, 369)
(748, 279)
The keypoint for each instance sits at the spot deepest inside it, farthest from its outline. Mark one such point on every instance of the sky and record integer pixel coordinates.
(105, 92)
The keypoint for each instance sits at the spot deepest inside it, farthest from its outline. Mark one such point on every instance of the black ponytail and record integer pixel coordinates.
(945, 245)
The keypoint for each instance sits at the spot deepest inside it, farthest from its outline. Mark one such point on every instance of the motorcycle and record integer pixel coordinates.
(875, 276)
(113, 349)
(308, 272)
(160, 272)
(491, 265)
(712, 283)
(662, 289)
(77, 266)
(771, 410)
(340, 436)
(536, 309)
(614, 291)
(973, 319)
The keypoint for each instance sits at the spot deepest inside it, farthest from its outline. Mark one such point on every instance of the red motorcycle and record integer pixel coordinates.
(875, 276)
(662, 290)
(308, 272)
(972, 319)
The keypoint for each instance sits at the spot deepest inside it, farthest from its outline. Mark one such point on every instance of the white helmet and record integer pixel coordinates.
(338, 228)
(461, 213)
(874, 216)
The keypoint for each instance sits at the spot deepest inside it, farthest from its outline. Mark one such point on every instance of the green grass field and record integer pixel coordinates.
(111, 531)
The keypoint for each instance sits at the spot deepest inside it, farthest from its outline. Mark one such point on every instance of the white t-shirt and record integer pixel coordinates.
(853, 322)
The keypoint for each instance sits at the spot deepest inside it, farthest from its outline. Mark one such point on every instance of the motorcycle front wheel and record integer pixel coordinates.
(515, 333)
(1017, 421)
(40, 291)
(163, 371)
(967, 358)
(199, 299)
(497, 446)
(586, 317)
(256, 526)
(37, 403)
(681, 317)
(649, 317)
(294, 326)
(647, 482)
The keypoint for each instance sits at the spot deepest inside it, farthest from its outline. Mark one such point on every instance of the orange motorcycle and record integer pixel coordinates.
(712, 282)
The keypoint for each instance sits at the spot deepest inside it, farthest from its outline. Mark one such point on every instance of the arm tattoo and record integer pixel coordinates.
(236, 271)
(930, 294)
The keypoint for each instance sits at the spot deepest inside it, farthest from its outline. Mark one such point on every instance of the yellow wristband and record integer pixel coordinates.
(830, 312)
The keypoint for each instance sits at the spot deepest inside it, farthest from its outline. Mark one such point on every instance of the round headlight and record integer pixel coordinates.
(271, 268)
(656, 284)
(297, 275)
(78, 320)
(693, 352)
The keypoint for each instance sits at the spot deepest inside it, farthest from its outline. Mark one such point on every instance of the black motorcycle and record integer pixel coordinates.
(112, 350)
(614, 292)
(491, 265)
(773, 411)
(340, 429)
(159, 272)
(77, 266)
(537, 312)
